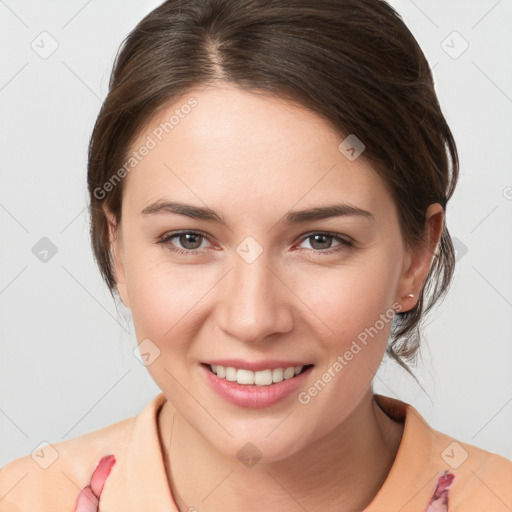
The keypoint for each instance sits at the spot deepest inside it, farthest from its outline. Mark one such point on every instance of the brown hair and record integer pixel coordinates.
(353, 62)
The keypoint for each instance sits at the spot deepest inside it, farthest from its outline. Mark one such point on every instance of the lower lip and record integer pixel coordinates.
(252, 396)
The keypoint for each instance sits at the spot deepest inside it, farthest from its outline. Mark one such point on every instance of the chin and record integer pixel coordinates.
(257, 446)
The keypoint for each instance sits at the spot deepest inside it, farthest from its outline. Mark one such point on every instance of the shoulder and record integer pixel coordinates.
(479, 480)
(51, 478)
(482, 480)
(431, 467)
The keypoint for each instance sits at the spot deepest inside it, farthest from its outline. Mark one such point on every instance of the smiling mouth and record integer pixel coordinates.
(258, 378)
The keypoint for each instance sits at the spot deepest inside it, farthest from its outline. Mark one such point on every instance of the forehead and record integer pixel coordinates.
(229, 146)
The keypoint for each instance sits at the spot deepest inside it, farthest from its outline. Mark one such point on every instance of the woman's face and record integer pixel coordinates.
(256, 284)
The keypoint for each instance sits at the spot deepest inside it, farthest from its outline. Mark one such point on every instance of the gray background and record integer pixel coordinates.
(67, 365)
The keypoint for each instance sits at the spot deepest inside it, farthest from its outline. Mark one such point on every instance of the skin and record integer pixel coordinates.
(254, 158)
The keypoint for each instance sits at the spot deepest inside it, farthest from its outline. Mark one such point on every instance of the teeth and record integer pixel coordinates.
(263, 378)
(245, 377)
(277, 375)
(231, 374)
(260, 378)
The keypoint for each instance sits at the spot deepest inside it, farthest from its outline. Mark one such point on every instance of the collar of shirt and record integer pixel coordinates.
(138, 480)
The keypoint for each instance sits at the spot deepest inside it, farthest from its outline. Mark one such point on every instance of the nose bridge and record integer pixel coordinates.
(253, 303)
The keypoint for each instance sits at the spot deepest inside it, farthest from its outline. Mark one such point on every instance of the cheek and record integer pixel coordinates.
(355, 313)
(348, 301)
(166, 309)
(163, 297)
(337, 301)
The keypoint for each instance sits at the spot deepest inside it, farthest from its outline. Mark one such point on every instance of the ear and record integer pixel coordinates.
(419, 258)
(116, 251)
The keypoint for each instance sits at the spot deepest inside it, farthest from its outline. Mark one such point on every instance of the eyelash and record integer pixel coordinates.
(344, 243)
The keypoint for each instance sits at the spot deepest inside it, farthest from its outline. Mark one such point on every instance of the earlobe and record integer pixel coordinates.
(116, 257)
(420, 257)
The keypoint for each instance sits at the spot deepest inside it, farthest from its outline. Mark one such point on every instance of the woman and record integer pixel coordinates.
(268, 187)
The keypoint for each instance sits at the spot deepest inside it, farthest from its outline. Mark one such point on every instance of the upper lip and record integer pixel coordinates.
(255, 366)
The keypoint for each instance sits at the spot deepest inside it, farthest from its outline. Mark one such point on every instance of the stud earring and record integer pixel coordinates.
(410, 295)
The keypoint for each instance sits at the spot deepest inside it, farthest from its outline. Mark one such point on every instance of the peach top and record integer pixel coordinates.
(120, 468)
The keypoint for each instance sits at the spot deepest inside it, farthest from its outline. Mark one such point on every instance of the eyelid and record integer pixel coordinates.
(172, 234)
(340, 236)
(344, 243)
(344, 240)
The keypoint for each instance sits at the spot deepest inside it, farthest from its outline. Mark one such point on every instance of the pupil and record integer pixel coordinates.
(326, 244)
(187, 240)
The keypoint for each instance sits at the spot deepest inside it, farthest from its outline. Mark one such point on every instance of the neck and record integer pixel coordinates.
(342, 471)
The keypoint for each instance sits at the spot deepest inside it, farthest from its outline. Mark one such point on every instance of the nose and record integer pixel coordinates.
(256, 302)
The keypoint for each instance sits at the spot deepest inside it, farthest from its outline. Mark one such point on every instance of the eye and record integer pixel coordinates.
(189, 240)
(322, 241)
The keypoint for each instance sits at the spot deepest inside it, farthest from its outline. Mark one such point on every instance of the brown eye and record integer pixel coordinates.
(321, 243)
(188, 242)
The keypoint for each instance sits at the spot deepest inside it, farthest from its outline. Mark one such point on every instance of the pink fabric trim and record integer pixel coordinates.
(89, 497)
(439, 500)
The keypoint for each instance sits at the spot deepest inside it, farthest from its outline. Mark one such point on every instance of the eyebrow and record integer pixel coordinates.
(293, 217)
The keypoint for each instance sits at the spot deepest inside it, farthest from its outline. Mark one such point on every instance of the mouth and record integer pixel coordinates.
(265, 377)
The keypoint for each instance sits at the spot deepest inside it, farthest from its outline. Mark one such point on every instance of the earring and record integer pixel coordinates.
(410, 295)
